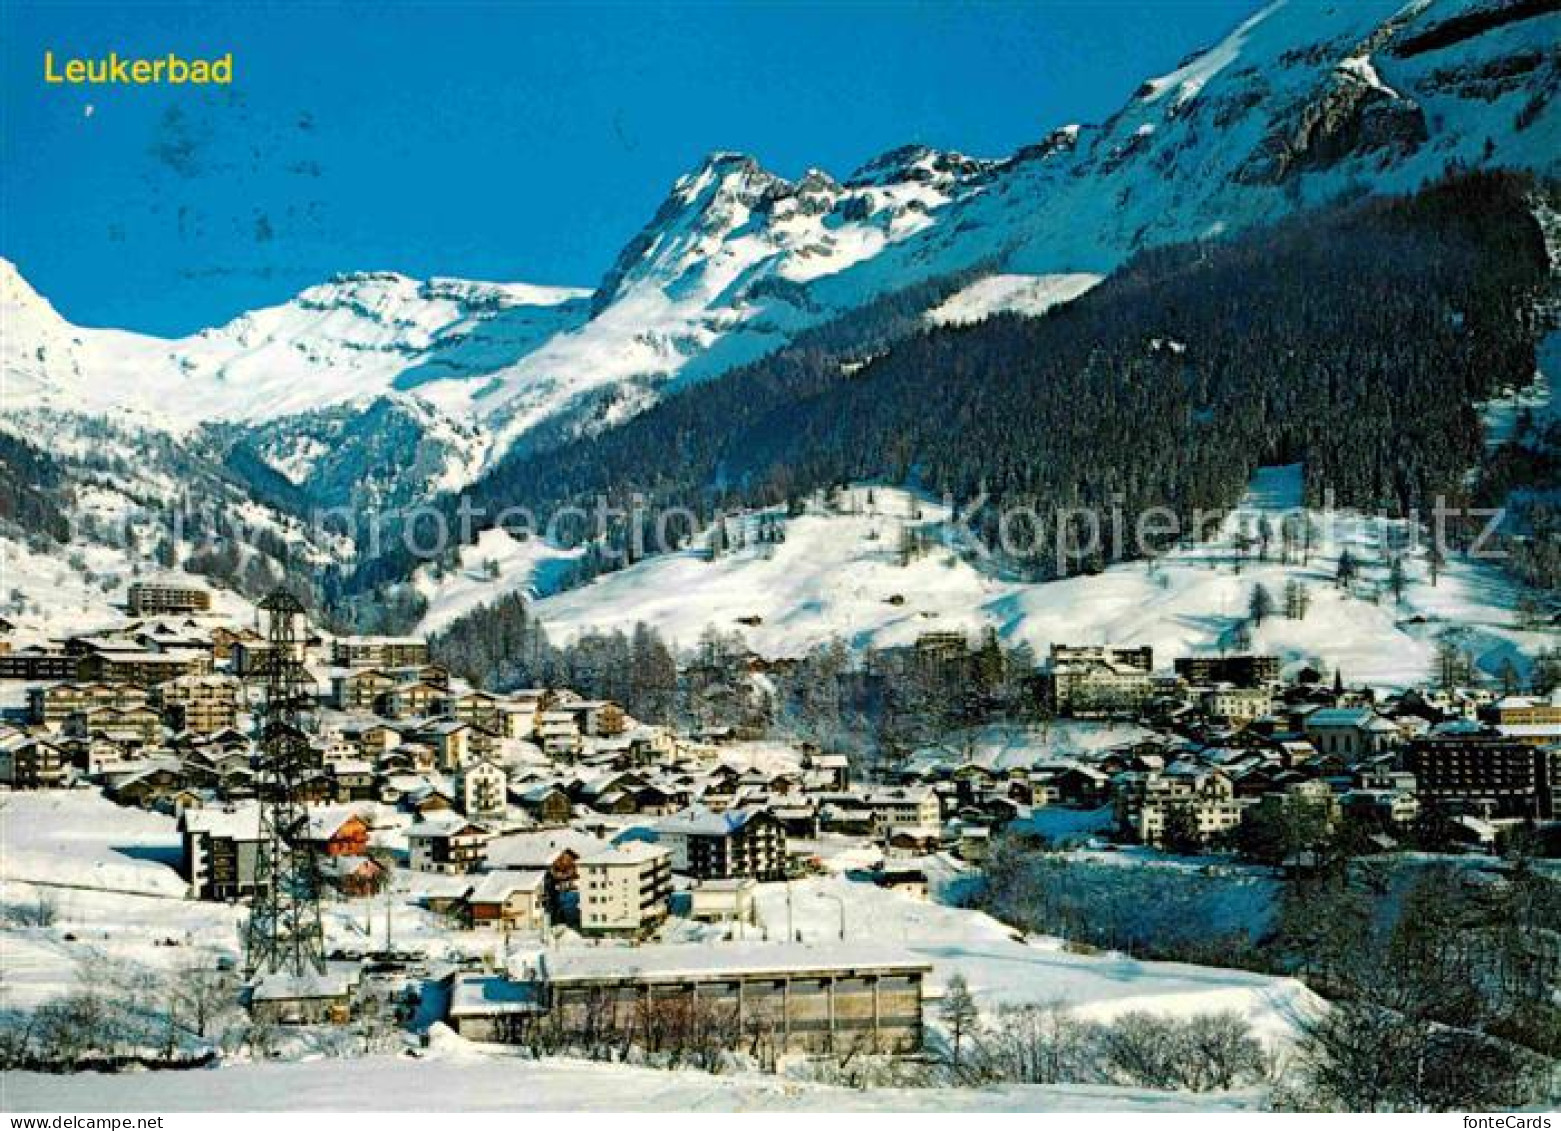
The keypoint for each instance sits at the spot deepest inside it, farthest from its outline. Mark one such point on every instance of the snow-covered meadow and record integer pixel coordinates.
(839, 574)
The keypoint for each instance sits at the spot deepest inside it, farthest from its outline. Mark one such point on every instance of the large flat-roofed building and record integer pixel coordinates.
(795, 998)
(154, 597)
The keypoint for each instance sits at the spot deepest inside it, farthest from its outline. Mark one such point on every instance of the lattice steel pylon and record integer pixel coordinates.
(284, 935)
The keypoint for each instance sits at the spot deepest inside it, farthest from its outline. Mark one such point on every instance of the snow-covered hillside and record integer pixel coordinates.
(840, 574)
(350, 339)
(82, 588)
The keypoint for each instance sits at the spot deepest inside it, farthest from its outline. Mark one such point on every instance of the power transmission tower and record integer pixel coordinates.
(284, 935)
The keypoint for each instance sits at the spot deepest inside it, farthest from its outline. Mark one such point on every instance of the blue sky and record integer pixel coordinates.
(494, 140)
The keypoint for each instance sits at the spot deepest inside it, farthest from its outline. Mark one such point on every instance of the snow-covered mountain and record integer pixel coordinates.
(1299, 104)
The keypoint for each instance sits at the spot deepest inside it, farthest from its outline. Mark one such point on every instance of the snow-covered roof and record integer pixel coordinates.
(1531, 730)
(495, 887)
(291, 987)
(700, 821)
(481, 995)
(225, 824)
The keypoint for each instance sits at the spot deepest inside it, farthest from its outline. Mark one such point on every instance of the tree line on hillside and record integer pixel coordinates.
(1356, 339)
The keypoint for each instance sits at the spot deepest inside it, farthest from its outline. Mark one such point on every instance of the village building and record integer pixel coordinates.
(354, 877)
(905, 807)
(1531, 720)
(783, 998)
(314, 999)
(1231, 704)
(484, 789)
(416, 699)
(379, 651)
(547, 803)
(361, 690)
(224, 637)
(52, 704)
(598, 718)
(39, 663)
(1201, 795)
(144, 598)
(128, 662)
(128, 726)
(1095, 680)
(910, 882)
(1352, 733)
(337, 831)
(723, 900)
(221, 851)
(352, 779)
(510, 899)
(480, 709)
(558, 732)
(201, 703)
(1237, 671)
(453, 742)
(831, 771)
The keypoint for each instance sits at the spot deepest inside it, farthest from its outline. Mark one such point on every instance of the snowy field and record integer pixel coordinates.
(475, 1082)
(839, 575)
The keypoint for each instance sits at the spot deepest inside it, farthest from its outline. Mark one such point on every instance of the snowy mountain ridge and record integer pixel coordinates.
(1299, 104)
